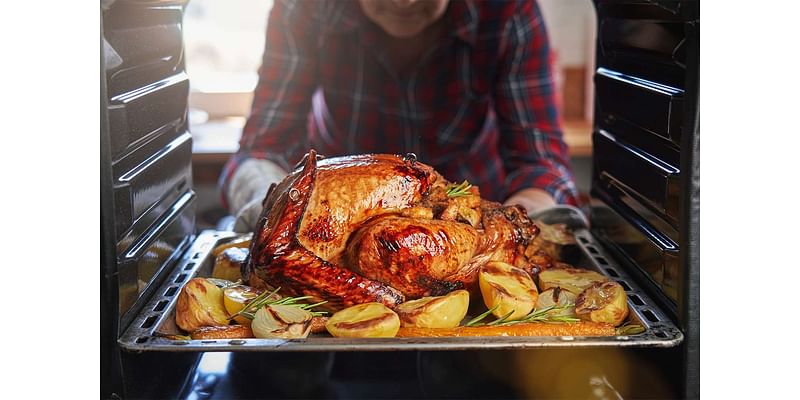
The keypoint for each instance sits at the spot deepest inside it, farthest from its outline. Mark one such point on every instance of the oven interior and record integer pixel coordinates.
(644, 214)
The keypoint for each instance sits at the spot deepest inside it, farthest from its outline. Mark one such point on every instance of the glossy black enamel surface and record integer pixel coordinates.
(147, 201)
(640, 122)
(645, 179)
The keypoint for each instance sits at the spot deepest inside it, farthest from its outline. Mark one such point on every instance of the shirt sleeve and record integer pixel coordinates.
(531, 143)
(276, 128)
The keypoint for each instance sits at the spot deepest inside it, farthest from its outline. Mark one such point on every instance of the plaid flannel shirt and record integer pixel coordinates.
(480, 106)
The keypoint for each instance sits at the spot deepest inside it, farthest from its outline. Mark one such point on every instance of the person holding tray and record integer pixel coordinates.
(467, 86)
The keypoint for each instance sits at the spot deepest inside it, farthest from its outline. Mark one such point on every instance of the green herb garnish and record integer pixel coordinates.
(462, 189)
(477, 319)
(533, 316)
(501, 319)
(542, 316)
(269, 298)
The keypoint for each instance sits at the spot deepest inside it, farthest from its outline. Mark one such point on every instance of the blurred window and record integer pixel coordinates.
(224, 43)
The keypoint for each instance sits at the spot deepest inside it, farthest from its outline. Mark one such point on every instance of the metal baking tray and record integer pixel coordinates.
(158, 316)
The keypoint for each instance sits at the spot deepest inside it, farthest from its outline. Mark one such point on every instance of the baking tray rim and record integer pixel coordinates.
(141, 335)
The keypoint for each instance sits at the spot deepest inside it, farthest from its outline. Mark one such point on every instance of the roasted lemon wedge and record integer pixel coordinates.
(368, 320)
(435, 312)
(507, 290)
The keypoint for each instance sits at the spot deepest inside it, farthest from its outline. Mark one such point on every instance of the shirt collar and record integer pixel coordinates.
(462, 18)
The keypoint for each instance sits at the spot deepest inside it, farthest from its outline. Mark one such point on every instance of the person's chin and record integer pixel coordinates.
(399, 30)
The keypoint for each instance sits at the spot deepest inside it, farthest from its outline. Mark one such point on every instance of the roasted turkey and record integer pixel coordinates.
(379, 228)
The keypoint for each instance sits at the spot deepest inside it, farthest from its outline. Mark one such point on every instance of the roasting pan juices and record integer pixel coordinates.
(153, 326)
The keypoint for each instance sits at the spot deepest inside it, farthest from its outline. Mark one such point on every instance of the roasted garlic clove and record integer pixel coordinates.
(363, 321)
(604, 302)
(278, 321)
(507, 289)
(557, 298)
(573, 279)
(435, 312)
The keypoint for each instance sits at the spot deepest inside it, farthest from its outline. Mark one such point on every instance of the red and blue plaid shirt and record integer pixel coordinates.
(480, 106)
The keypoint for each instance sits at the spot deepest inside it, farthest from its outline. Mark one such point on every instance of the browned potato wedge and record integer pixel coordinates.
(604, 302)
(558, 298)
(573, 279)
(235, 297)
(240, 242)
(554, 240)
(200, 304)
(281, 321)
(363, 321)
(228, 264)
(318, 324)
(222, 332)
(507, 289)
(435, 312)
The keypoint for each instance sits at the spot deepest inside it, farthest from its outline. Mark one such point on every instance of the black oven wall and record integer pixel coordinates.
(645, 178)
(147, 200)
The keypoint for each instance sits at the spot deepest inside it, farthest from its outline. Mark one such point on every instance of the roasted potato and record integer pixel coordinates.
(604, 302)
(222, 332)
(221, 283)
(200, 303)
(235, 298)
(281, 321)
(228, 264)
(434, 312)
(573, 279)
(507, 289)
(558, 298)
(240, 242)
(318, 324)
(364, 320)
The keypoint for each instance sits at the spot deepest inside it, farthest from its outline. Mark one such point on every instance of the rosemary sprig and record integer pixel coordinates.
(266, 298)
(477, 319)
(630, 329)
(462, 189)
(543, 315)
(533, 316)
(501, 319)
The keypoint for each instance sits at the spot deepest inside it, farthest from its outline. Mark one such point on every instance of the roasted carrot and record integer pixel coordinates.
(531, 329)
(223, 332)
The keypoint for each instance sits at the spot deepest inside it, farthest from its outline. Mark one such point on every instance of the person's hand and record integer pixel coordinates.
(248, 189)
(533, 200)
(247, 216)
(542, 207)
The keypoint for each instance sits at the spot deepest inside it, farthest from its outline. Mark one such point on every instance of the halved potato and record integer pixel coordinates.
(558, 298)
(434, 312)
(281, 321)
(222, 332)
(221, 283)
(199, 304)
(603, 302)
(573, 279)
(508, 288)
(240, 242)
(364, 320)
(235, 298)
(228, 264)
